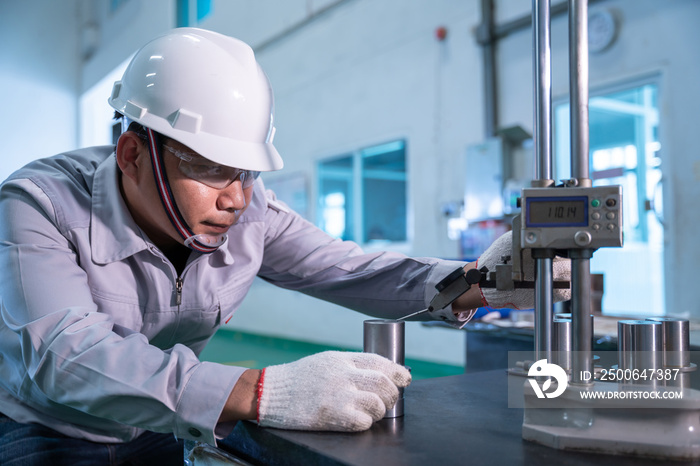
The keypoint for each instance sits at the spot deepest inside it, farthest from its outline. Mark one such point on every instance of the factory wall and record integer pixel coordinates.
(39, 81)
(352, 73)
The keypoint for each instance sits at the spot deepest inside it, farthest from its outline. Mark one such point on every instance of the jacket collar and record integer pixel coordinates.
(114, 234)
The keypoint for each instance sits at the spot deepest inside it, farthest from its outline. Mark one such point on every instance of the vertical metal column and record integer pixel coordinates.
(582, 324)
(578, 89)
(582, 328)
(488, 46)
(542, 65)
(543, 309)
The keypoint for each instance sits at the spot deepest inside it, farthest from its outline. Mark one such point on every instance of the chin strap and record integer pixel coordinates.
(201, 243)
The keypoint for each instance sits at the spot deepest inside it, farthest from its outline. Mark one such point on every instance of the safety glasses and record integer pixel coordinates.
(209, 173)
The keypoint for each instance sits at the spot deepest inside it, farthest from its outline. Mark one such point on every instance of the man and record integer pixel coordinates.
(117, 265)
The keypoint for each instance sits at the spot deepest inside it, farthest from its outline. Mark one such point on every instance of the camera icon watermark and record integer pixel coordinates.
(541, 369)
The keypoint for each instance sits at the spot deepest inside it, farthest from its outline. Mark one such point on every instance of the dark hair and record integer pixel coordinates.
(133, 126)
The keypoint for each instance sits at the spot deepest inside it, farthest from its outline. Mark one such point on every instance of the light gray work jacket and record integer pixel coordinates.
(99, 336)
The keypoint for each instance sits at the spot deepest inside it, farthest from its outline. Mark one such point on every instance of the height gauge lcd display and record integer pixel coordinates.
(556, 212)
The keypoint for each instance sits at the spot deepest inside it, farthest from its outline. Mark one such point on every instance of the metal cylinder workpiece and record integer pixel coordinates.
(386, 338)
(676, 341)
(568, 316)
(640, 344)
(561, 343)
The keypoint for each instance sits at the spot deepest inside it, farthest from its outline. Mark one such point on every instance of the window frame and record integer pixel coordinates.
(356, 178)
(562, 167)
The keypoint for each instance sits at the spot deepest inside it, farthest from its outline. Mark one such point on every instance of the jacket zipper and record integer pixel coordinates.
(178, 290)
(178, 279)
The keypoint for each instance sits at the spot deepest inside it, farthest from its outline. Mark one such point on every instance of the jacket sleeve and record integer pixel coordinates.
(61, 356)
(300, 256)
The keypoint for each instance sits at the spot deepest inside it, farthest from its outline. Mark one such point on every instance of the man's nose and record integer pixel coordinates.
(231, 197)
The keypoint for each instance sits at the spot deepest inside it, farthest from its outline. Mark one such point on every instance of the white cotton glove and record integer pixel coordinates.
(519, 298)
(333, 390)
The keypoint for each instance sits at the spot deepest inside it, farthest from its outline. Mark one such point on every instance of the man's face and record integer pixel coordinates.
(206, 210)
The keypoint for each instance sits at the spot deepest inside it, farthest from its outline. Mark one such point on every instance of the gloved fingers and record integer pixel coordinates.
(397, 373)
(503, 246)
(352, 411)
(371, 381)
(372, 404)
(340, 391)
(351, 420)
(561, 268)
(369, 361)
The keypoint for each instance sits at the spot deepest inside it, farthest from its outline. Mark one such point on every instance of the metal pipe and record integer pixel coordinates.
(580, 259)
(542, 64)
(507, 28)
(543, 309)
(542, 121)
(489, 54)
(488, 34)
(578, 89)
(582, 325)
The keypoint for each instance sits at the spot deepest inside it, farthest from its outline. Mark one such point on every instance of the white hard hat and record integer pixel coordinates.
(206, 91)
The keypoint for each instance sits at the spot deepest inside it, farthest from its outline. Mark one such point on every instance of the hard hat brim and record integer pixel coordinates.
(246, 155)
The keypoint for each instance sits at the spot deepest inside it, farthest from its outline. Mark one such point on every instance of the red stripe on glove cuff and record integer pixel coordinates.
(260, 390)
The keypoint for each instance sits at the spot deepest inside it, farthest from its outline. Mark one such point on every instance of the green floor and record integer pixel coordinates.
(256, 352)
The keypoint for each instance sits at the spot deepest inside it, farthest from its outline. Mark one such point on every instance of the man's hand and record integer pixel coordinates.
(336, 391)
(519, 298)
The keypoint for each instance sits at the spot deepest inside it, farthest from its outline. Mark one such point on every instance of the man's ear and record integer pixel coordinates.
(130, 154)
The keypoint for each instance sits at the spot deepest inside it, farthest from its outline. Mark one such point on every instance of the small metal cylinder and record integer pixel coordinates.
(561, 343)
(386, 338)
(676, 341)
(567, 316)
(640, 345)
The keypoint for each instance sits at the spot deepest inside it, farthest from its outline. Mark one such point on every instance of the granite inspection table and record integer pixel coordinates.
(455, 420)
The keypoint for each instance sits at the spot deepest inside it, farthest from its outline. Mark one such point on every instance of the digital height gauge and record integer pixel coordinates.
(571, 218)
